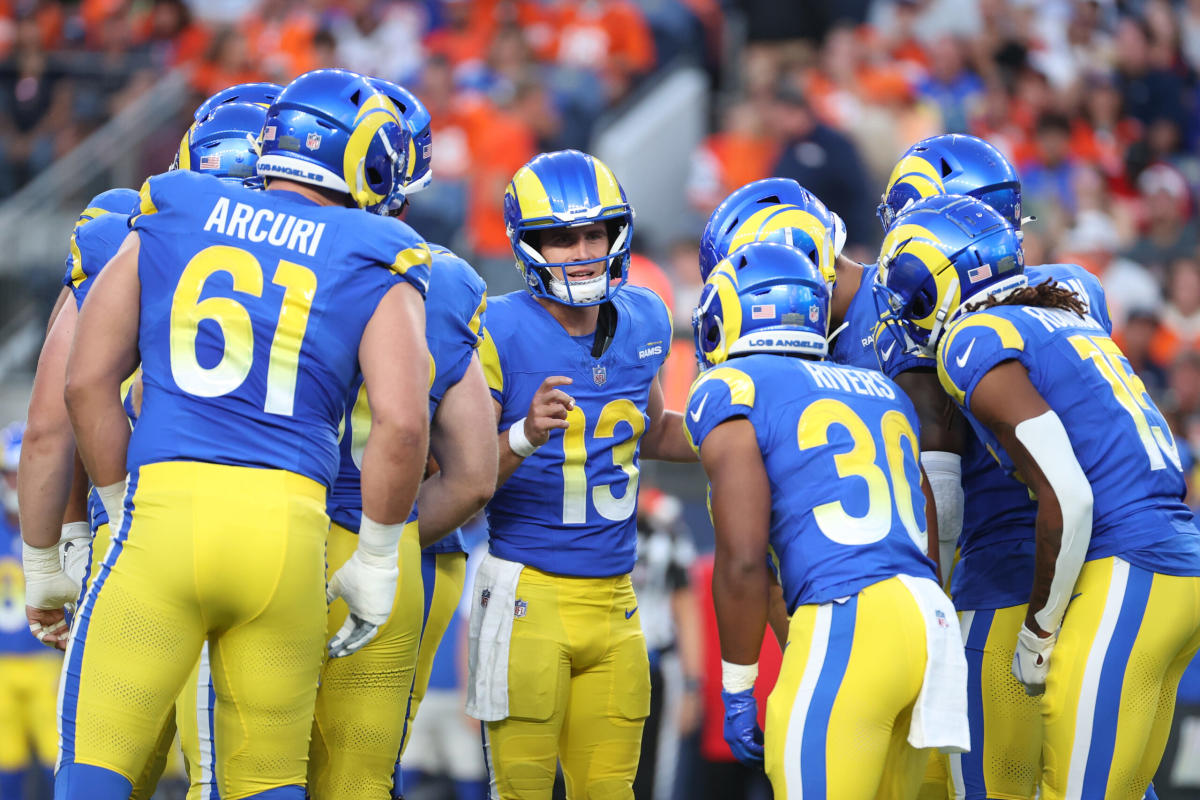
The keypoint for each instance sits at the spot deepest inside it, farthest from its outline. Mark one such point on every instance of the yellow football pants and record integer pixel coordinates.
(231, 554)
(1110, 693)
(359, 721)
(28, 685)
(145, 784)
(578, 688)
(837, 723)
(443, 576)
(1005, 760)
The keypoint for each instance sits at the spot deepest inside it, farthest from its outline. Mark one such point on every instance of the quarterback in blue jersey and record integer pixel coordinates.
(1054, 399)
(559, 670)
(363, 705)
(28, 671)
(252, 313)
(788, 440)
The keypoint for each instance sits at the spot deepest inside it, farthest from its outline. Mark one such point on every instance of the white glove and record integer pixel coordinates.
(367, 582)
(75, 554)
(46, 585)
(1031, 659)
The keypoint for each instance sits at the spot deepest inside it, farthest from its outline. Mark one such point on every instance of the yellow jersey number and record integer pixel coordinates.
(1130, 393)
(188, 311)
(862, 462)
(575, 488)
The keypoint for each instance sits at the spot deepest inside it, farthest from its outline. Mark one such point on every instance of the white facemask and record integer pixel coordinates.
(587, 291)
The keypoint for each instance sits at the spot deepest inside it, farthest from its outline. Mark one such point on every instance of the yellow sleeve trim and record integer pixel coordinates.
(476, 323)
(1010, 338)
(412, 257)
(145, 203)
(77, 273)
(489, 357)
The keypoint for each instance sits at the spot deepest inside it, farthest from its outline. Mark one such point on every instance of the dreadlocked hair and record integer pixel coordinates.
(1047, 294)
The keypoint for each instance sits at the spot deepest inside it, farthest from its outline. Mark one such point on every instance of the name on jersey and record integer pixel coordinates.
(242, 221)
(1056, 318)
(849, 379)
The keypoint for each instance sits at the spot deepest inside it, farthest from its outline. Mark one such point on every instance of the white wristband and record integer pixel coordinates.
(738, 677)
(75, 530)
(379, 543)
(112, 497)
(518, 442)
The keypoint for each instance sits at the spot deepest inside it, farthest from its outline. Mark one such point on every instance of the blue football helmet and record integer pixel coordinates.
(765, 298)
(416, 116)
(952, 163)
(111, 201)
(262, 94)
(941, 254)
(743, 217)
(568, 189)
(225, 143)
(330, 128)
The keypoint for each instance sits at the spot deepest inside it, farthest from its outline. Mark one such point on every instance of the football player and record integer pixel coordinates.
(1054, 399)
(559, 670)
(364, 701)
(28, 672)
(780, 210)
(251, 313)
(995, 566)
(788, 440)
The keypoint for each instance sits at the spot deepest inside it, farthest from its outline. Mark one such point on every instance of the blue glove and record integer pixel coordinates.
(742, 733)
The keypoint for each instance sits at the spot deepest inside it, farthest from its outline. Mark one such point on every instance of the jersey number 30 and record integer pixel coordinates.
(860, 462)
(237, 357)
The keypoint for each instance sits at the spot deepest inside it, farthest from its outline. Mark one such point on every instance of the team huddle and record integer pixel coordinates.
(936, 478)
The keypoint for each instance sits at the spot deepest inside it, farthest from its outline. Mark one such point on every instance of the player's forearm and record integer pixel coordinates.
(666, 440)
(777, 614)
(509, 461)
(446, 503)
(392, 467)
(740, 593)
(44, 482)
(101, 429)
(77, 500)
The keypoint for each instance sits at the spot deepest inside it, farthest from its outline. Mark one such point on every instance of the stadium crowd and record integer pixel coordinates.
(1096, 102)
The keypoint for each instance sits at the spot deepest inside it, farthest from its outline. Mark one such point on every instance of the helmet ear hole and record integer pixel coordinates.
(946, 168)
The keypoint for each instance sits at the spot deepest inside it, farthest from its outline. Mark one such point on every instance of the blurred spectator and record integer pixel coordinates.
(954, 88)
(170, 33)
(285, 36)
(229, 61)
(1180, 330)
(1092, 244)
(1149, 90)
(381, 39)
(1137, 341)
(1168, 233)
(35, 108)
(827, 163)
(739, 152)
(1182, 406)
(671, 623)
(1047, 189)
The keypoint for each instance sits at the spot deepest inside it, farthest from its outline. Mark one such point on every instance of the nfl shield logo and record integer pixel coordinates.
(313, 141)
(813, 313)
(599, 374)
(519, 608)
(483, 597)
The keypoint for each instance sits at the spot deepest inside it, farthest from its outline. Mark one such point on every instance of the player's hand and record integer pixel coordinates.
(548, 409)
(1031, 660)
(368, 585)
(46, 585)
(49, 626)
(742, 733)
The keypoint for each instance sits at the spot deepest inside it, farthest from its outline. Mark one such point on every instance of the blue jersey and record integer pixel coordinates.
(453, 323)
(863, 342)
(15, 637)
(93, 243)
(827, 432)
(253, 304)
(1118, 434)
(569, 508)
(995, 567)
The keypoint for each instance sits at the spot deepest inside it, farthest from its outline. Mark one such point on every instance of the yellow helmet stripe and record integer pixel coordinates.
(609, 191)
(917, 173)
(766, 221)
(530, 194)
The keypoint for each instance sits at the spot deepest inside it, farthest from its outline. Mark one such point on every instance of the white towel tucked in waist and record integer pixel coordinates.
(939, 717)
(492, 611)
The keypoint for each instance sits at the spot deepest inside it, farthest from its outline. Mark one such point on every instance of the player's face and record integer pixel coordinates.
(569, 245)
